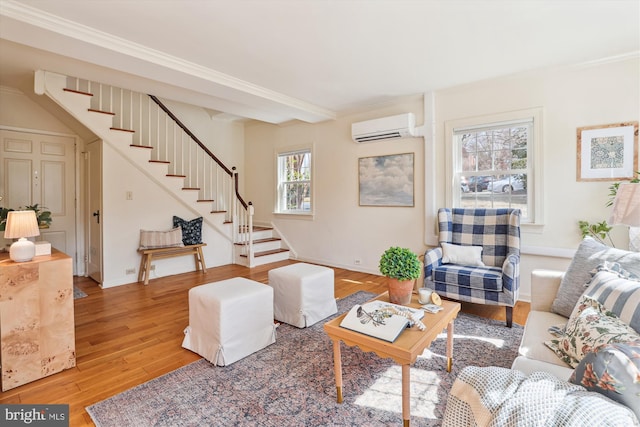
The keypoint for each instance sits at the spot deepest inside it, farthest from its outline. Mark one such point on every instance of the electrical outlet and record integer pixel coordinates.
(153, 267)
(130, 271)
(357, 261)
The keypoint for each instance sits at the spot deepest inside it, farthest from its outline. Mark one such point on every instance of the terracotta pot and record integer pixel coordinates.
(400, 290)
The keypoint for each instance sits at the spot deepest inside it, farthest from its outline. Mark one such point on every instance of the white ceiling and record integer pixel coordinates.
(311, 60)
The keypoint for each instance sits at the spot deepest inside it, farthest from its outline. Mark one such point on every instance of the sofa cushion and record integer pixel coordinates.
(618, 293)
(536, 333)
(614, 371)
(589, 255)
(590, 326)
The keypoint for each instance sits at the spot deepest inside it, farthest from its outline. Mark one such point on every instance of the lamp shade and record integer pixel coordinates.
(21, 224)
(626, 205)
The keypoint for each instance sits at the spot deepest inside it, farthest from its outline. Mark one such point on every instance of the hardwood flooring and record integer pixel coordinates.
(130, 334)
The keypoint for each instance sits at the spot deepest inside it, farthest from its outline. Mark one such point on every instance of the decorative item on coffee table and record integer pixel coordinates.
(402, 267)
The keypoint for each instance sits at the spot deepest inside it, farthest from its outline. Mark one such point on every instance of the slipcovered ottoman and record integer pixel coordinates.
(229, 320)
(303, 293)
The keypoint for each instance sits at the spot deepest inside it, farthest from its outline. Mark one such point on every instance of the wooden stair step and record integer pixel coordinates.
(267, 240)
(93, 110)
(171, 175)
(264, 253)
(160, 161)
(140, 146)
(77, 91)
(123, 130)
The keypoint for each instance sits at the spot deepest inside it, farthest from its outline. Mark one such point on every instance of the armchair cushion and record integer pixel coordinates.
(463, 255)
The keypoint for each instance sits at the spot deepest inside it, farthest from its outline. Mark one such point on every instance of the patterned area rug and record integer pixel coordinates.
(291, 382)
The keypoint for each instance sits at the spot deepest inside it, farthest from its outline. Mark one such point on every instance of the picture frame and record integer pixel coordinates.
(386, 180)
(607, 152)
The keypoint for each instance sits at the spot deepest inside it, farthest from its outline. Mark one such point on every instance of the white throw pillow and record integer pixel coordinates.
(462, 255)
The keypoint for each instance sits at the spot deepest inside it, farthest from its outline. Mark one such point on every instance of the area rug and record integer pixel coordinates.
(78, 293)
(291, 382)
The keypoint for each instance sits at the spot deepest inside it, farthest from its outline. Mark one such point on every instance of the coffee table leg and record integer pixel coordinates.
(406, 395)
(449, 346)
(337, 369)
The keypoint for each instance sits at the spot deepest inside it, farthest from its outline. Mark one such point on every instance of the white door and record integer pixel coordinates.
(94, 197)
(39, 169)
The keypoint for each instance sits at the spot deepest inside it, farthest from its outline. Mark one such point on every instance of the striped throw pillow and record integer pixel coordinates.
(160, 239)
(619, 293)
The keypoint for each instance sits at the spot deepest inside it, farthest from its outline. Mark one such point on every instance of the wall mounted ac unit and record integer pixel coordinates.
(400, 126)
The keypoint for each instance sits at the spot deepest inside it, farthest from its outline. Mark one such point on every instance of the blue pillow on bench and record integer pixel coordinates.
(191, 230)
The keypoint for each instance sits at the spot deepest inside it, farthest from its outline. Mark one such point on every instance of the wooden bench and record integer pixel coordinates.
(148, 255)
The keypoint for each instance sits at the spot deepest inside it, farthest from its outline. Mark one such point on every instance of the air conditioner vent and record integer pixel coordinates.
(392, 127)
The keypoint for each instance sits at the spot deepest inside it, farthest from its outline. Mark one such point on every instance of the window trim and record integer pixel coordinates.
(534, 156)
(283, 151)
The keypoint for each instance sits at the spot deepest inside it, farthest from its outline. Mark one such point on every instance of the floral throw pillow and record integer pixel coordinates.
(191, 230)
(590, 326)
(614, 371)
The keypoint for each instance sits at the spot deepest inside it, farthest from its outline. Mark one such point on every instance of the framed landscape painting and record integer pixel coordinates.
(386, 180)
(607, 152)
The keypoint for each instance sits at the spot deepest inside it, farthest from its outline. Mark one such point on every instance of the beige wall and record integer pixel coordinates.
(341, 231)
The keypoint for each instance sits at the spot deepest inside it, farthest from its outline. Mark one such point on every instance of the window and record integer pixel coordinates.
(294, 182)
(493, 164)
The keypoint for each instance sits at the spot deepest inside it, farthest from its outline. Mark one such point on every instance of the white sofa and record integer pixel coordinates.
(538, 386)
(533, 354)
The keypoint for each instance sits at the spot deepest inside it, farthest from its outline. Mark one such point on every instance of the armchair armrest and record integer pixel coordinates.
(432, 259)
(511, 274)
(544, 287)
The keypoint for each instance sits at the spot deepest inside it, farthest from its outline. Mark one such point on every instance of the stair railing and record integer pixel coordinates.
(155, 126)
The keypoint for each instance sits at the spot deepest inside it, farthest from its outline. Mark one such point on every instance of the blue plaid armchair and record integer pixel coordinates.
(497, 231)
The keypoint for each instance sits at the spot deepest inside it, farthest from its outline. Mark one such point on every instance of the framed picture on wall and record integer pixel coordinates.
(607, 152)
(386, 180)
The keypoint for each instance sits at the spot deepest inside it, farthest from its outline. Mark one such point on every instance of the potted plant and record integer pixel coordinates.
(42, 214)
(401, 267)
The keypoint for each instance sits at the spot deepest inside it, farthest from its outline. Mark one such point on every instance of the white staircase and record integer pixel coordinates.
(155, 142)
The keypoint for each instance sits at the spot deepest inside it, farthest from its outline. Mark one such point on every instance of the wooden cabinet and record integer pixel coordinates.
(37, 336)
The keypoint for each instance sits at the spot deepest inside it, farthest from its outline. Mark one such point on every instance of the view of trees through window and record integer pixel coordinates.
(493, 167)
(294, 183)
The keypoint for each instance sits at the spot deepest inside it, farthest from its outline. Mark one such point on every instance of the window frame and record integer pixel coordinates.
(279, 182)
(531, 117)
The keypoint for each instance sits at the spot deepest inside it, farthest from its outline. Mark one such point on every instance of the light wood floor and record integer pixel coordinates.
(130, 334)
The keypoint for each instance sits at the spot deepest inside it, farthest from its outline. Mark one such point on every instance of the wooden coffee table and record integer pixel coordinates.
(404, 350)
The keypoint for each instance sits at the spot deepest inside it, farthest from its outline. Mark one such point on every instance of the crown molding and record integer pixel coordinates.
(87, 35)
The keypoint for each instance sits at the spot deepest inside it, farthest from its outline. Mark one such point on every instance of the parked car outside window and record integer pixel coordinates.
(507, 185)
(478, 183)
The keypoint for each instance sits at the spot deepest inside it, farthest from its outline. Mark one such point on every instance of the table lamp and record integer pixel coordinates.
(626, 210)
(20, 225)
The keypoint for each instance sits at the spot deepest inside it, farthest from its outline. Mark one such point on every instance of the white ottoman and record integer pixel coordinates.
(303, 293)
(229, 320)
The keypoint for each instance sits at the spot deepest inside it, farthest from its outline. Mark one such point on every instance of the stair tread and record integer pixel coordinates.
(77, 91)
(93, 110)
(264, 253)
(123, 130)
(267, 240)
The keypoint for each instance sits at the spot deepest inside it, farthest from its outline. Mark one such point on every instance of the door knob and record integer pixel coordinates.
(97, 214)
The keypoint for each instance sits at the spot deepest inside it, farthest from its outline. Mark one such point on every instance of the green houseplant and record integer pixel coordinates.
(600, 230)
(42, 214)
(402, 267)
